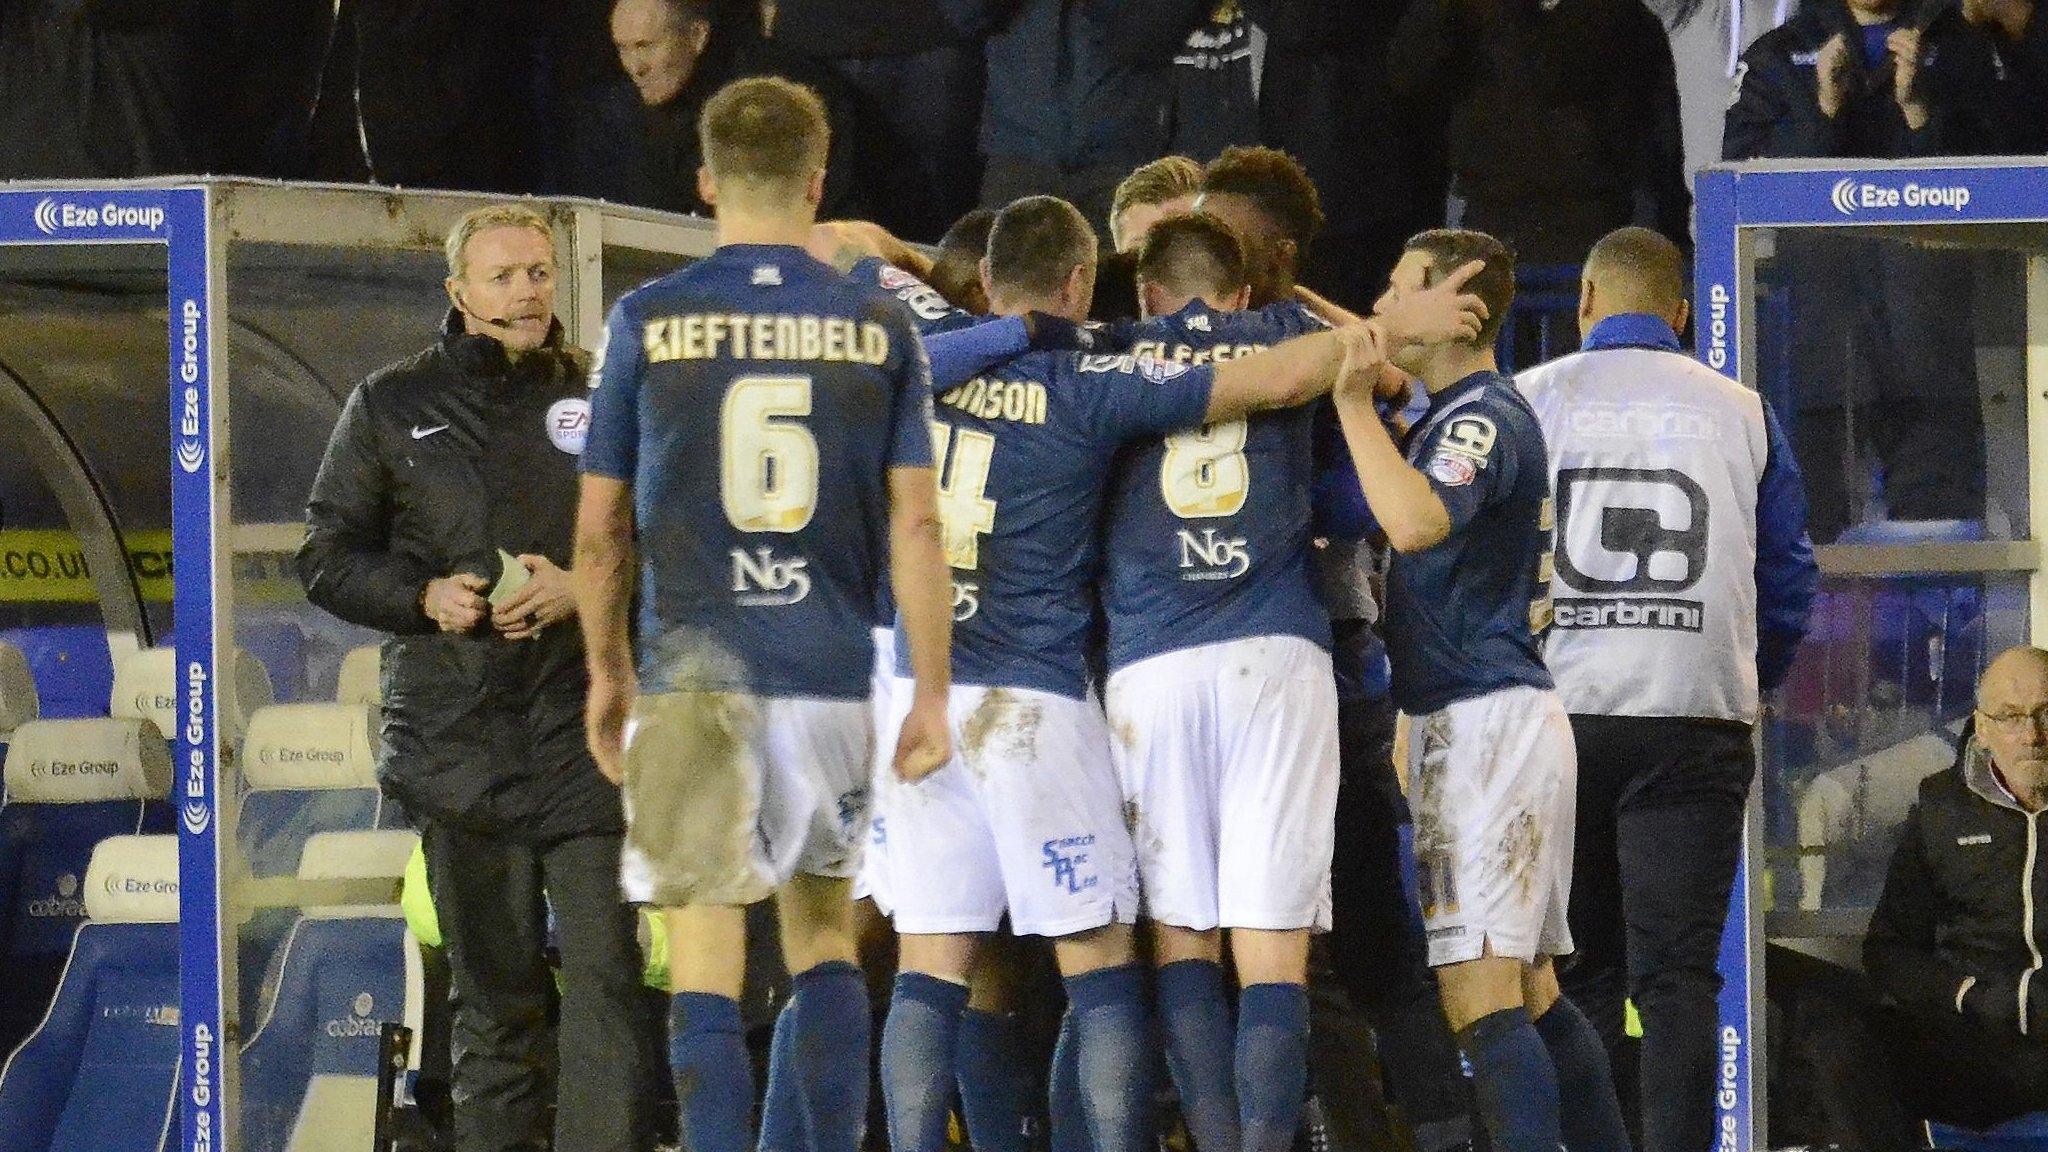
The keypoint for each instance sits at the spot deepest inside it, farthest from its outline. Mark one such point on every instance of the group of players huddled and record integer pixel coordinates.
(1096, 685)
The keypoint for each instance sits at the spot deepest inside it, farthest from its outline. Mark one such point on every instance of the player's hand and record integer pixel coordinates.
(455, 603)
(838, 243)
(1833, 71)
(926, 742)
(1365, 354)
(1904, 46)
(604, 724)
(1393, 386)
(548, 598)
(1437, 314)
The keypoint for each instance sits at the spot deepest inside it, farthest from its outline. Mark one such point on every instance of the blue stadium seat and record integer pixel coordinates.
(309, 768)
(101, 1072)
(70, 784)
(72, 669)
(2027, 1133)
(343, 973)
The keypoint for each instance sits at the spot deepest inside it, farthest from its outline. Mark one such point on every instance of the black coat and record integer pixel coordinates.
(438, 462)
(99, 89)
(1966, 901)
(1563, 117)
(619, 149)
(1975, 101)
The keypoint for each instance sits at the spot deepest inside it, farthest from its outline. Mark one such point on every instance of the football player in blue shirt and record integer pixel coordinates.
(743, 740)
(1028, 817)
(1222, 701)
(1492, 771)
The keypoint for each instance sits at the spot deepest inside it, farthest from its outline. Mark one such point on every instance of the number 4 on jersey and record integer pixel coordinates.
(965, 511)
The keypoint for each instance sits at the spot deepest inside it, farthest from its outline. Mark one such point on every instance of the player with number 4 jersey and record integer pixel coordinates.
(1027, 818)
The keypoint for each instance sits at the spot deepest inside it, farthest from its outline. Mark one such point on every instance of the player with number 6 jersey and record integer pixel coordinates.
(760, 434)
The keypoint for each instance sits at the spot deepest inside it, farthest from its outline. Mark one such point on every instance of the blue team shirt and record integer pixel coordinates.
(1025, 456)
(1466, 617)
(930, 311)
(1208, 529)
(756, 400)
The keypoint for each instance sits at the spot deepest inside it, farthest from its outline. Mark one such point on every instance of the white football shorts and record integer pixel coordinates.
(873, 881)
(1026, 819)
(728, 795)
(1493, 782)
(1228, 757)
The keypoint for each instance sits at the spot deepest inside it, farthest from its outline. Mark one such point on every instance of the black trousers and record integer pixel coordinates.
(1376, 935)
(488, 892)
(1660, 803)
(1876, 1070)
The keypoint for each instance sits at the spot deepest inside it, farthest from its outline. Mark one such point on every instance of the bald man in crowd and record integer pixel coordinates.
(1952, 1023)
(1684, 580)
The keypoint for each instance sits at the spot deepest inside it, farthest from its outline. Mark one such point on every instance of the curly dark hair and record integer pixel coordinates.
(1273, 180)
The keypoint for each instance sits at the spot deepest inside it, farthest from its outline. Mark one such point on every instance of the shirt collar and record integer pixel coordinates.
(1467, 384)
(1632, 330)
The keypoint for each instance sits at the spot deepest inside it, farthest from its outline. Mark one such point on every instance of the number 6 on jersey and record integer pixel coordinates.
(768, 471)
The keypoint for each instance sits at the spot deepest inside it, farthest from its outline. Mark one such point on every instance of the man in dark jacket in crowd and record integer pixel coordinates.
(442, 514)
(1068, 112)
(1563, 117)
(916, 83)
(2019, 30)
(634, 141)
(1885, 350)
(1954, 950)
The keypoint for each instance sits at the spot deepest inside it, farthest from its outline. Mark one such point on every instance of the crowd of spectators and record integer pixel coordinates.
(1547, 122)
(937, 105)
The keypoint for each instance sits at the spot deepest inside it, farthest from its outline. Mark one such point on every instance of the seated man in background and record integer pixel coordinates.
(1953, 1024)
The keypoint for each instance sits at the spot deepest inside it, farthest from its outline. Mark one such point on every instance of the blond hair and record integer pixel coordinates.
(1166, 178)
(764, 133)
(483, 220)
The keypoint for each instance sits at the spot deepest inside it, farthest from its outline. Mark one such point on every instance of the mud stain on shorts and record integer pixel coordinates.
(694, 801)
(1003, 726)
(1520, 848)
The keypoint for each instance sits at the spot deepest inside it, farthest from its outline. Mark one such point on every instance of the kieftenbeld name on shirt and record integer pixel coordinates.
(772, 589)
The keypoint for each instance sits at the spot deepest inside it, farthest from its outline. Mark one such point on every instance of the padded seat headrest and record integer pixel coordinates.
(81, 761)
(146, 687)
(359, 683)
(133, 880)
(310, 747)
(18, 701)
(365, 855)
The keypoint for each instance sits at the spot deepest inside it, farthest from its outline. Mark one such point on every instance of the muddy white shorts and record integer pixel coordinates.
(1026, 818)
(1228, 758)
(1493, 783)
(728, 796)
(873, 881)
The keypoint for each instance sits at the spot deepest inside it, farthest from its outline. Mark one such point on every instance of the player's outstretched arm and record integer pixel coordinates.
(603, 572)
(924, 597)
(844, 243)
(1323, 308)
(1409, 511)
(1296, 371)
